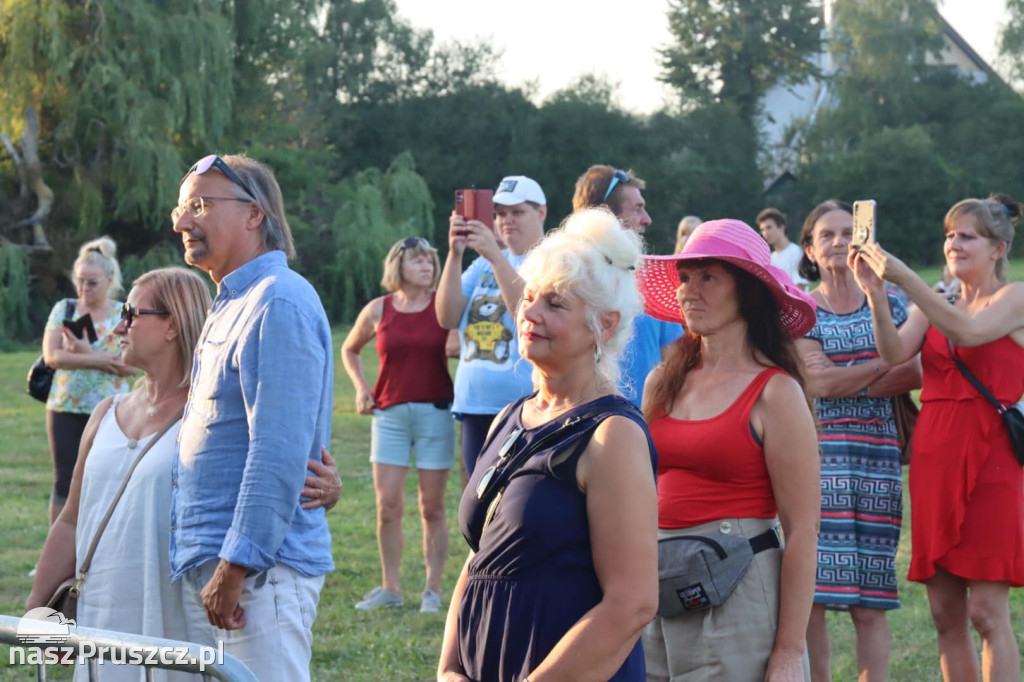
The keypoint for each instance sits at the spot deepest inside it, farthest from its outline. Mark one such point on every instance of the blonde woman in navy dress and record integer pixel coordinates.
(563, 573)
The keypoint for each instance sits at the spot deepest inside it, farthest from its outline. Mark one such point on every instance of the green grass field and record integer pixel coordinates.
(399, 644)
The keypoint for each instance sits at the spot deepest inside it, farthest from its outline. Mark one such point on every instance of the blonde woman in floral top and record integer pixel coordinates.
(86, 372)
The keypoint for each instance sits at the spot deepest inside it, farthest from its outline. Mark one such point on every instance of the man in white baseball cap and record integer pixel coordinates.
(515, 189)
(481, 304)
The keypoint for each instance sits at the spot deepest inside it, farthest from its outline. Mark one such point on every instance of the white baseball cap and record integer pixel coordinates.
(515, 189)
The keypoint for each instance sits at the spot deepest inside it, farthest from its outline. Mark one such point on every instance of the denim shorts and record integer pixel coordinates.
(422, 428)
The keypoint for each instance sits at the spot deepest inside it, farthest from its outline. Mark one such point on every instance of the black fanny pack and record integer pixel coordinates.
(696, 572)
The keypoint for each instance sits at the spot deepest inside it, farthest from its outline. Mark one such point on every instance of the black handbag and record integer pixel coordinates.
(40, 374)
(1013, 415)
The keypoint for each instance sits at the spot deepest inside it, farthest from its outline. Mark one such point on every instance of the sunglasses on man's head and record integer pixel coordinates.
(213, 161)
(619, 176)
(130, 312)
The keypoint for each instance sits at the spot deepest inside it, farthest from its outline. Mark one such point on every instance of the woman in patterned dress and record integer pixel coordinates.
(861, 484)
(86, 372)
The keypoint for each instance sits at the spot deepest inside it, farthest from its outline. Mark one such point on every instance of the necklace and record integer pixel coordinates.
(585, 398)
(153, 408)
(828, 301)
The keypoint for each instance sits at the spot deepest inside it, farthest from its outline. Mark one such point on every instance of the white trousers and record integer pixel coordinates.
(280, 607)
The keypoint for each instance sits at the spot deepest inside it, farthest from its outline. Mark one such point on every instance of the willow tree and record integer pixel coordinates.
(117, 88)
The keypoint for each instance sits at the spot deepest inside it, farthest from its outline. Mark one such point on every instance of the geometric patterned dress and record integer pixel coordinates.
(861, 481)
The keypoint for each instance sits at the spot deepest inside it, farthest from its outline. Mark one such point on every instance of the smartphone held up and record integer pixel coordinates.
(863, 222)
(476, 204)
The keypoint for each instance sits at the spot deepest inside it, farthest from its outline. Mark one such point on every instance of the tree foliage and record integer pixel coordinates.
(915, 135)
(902, 169)
(14, 288)
(345, 235)
(120, 87)
(733, 51)
(1011, 43)
(370, 124)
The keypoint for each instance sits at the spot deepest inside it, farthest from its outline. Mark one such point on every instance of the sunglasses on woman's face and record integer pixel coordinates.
(130, 312)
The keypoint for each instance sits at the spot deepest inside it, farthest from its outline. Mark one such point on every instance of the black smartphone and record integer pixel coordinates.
(82, 327)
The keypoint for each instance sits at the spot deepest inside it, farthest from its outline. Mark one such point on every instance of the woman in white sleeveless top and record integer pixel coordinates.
(128, 585)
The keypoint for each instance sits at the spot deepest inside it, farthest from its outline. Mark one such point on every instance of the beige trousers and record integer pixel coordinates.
(731, 642)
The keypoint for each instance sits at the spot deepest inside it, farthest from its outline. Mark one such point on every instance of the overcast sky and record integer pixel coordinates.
(552, 42)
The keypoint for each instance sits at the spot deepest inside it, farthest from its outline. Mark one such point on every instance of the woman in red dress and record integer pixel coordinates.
(966, 493)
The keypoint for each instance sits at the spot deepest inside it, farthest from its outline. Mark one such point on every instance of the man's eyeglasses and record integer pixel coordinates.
(196, 206)
(619, 176)
(213, 161)
(130, 312)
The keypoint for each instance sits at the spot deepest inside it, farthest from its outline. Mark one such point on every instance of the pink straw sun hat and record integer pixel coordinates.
(736, 243)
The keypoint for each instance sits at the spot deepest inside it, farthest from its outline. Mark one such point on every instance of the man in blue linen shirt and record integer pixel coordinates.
(252, 559)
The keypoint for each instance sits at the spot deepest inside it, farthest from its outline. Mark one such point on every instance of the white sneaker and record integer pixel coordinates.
(431, 602)
(379, 598)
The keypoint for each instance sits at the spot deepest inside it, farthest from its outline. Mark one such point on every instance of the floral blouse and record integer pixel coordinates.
(80, 390)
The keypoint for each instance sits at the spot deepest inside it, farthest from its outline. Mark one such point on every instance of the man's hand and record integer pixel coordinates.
(221, 595)
(456, 234)
(323, 488)
(482, 239)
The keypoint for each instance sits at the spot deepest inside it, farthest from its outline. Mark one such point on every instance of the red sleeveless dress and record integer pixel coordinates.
(966, 485)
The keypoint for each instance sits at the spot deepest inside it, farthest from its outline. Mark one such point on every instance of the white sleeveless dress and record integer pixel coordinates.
(128, 586)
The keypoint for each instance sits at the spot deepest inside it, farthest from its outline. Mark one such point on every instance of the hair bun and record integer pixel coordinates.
(1014, 210)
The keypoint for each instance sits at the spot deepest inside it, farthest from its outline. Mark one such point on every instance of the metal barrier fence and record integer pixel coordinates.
(149, 652)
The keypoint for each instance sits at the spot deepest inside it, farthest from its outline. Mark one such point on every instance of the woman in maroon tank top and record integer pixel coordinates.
(409, 403)
(737, 454)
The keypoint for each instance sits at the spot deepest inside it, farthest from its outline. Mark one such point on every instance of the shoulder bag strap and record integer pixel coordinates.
(521, 457)
(1000, 408)
(69, 307)
(80, 578)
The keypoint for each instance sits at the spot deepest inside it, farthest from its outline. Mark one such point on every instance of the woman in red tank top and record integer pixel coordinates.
(966, 493)
(737, 453)
(409, 404)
